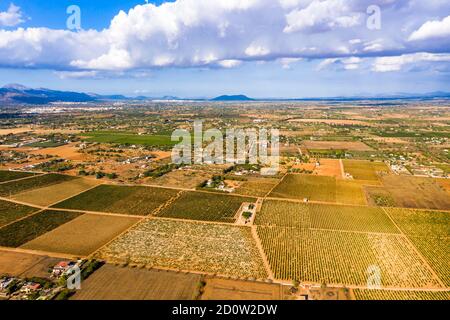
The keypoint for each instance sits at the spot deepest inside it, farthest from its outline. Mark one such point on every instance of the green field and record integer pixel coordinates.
(13, 175)
(10, 212)
(205, 206)
(322, 216)
(129, 138)
(429, 231)
(20, 232)
(319, 188)
(14, 187)
(119, 199)
(364, 170)
(343, 258)
(316, 188)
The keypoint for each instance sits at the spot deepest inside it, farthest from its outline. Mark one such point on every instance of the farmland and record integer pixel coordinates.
(14, 187)
(130, 200)
(336, 145)
(14, 175)
(81, 236)
(225, 289)
(429, 231)
(257, 187)
(20, 232)
(55, 193)
(205, 206)
(343, 257)
(129, 138)
(116, 283)
(365, 170)
(24, 264)
(319, 188)
(176, 245)
(10, 212)
(416, 192)
(373, 294)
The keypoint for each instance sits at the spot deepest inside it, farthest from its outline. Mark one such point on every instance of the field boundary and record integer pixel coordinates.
(258, 244)
(24, 178)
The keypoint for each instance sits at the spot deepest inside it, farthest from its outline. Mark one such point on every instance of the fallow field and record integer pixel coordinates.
(81, 236)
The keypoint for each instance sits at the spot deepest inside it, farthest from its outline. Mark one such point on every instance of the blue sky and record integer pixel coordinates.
(204, 48)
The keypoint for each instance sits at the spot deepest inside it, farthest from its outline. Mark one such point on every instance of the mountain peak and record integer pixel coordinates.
(15, 86)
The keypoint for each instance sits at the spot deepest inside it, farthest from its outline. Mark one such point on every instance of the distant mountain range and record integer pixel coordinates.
(18, 94)
(239, 97)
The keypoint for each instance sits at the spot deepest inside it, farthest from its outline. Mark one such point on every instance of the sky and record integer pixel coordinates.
(205, 48)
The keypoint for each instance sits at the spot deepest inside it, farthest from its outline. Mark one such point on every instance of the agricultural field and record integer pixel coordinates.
(22, 231)
(25, 264)
(178, 245)
(343, 258)
(181, 179)
(373, 294)
(129, 138)
(55, 193)
(14, 187)
(429, 231)
(124, 283)
(365, 170)
(14, 175)
(205, 206)
(320, 188)
(257, 187)
(81, 236)
(322, 216)
(225, 289)
(315, 188)
(378, 197)
(416, 192)
(131, 200)
(10, 212)
(337, 145)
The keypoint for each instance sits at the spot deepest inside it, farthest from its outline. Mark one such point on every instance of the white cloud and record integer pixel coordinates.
(322, 15)
(396, 63)
(432, 30)
(351, 63)
(231, 63)
(221, 33)
(12, 17)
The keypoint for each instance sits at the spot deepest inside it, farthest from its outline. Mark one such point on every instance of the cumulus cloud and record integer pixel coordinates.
(12, 17)
(223, 33)
(432, 30)
(391, 64)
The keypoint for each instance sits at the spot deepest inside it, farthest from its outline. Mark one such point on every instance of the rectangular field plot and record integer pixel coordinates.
(343, 258)
(257, 187)
(319, 188)
(179, 245)
(421, 223)
(316, 188)
(283, 214)
(365, 170)
(10, 212)
(14, 187)
(49, 195)
(205, 206)
(81, 236)
(415, 192)
(322, 216)
(139, 201)
(25, 265)
(13, 175)
(20, 232)
(372, 294)
(225, 289)
(116, 283)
